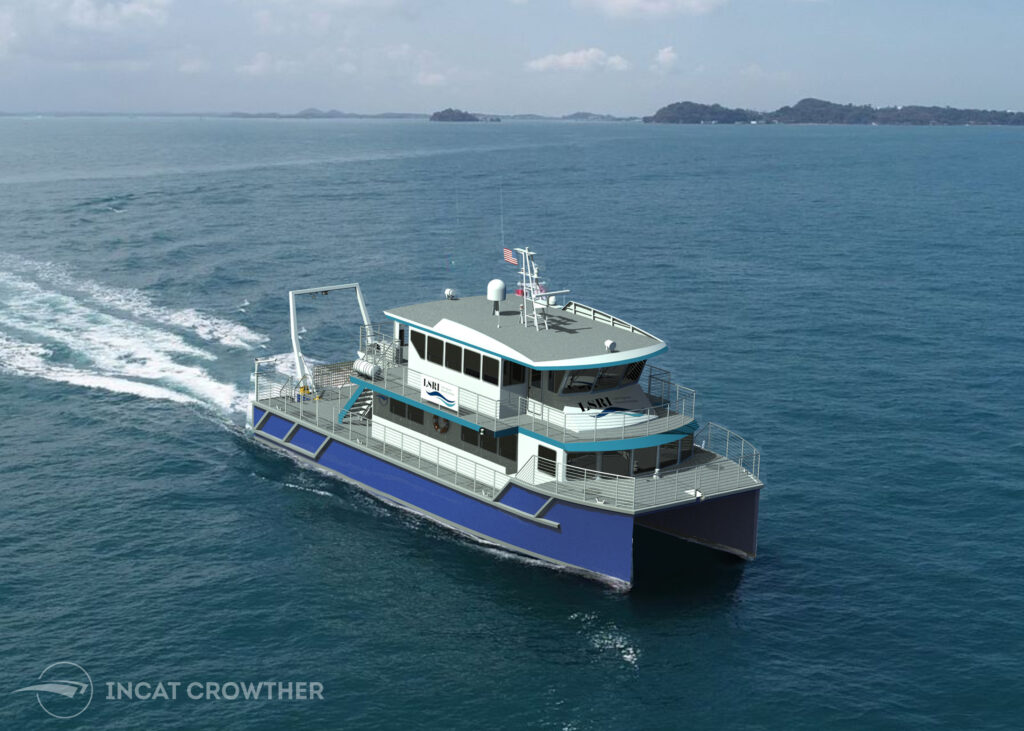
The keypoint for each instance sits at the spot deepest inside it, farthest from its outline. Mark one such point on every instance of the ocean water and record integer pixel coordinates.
(849, 299)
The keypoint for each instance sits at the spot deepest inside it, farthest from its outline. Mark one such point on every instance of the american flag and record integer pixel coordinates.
(510, 257)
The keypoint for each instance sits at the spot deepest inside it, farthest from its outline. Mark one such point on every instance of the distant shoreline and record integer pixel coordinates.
(807, 111)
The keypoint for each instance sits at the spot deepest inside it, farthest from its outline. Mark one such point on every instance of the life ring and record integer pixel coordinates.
(441, 425)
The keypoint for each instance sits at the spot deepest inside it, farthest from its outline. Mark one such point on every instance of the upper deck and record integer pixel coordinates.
(575, 336)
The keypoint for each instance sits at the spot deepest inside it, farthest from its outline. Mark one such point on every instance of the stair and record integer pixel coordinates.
(361, 408)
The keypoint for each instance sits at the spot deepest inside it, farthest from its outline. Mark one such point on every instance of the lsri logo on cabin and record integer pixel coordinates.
(440, 393)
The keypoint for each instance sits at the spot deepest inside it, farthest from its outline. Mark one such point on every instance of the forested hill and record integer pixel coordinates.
(818, 111)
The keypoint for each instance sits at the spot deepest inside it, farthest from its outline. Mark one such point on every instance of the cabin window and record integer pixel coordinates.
(414, 414)
(419, 342)
(633, 372)
(488, 442)
(435, 350)
(469, 435)
(515, 373)
(453, 356)
(555, 380)
(508, 447)
(397, 407)
(645, 460)
(535, 377)
(546, 460)
(609, 377)
(491, 369)
(471, 363)
(580, 381)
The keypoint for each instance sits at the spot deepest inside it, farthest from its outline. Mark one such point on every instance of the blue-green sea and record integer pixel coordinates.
(850, 299)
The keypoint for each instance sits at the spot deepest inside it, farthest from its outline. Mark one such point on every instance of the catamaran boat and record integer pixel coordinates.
(522, 419)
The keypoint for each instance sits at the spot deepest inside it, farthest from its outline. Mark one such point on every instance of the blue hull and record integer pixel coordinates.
(592, 540)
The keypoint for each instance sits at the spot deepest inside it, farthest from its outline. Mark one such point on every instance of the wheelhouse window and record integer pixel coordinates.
(471, 363)
(555, 380)
(609, 378)
(419, 342)
(580, 381)
(491, 369)
(633, 372)
(453, 356)
(435, 350)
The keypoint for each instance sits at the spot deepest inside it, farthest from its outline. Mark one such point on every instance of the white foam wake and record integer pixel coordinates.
(85, 346)
(31, 359)
(139, 305)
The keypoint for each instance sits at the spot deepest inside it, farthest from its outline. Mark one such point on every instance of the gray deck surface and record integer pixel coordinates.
(569, 335)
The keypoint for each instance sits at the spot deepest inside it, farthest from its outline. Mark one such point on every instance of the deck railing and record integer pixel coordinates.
(716, 438)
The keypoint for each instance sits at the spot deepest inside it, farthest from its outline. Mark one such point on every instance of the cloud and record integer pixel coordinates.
(664, 60)
(650, 8)
(193, 66)
(430, 78)
(106, 16)
(8, 34)
(263, 64)
(586, 59)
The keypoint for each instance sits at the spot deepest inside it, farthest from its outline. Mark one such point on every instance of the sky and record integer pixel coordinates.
(623, 57)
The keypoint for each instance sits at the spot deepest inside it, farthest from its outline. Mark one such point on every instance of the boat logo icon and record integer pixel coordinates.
(438, 395)
(612, 410)
(64, 689)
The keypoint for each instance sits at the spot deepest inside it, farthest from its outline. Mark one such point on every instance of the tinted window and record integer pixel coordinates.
(546, 460)
(419, 342)
(414, 414)
(453, 356)
(471, 363)
(397, 407)
(469, 435)
(535, 378)
(435, 350)
(580, 381)
(609, 377)
(555, 380)
(488, 442)
(515, 373)
(490, 369)
(633, 371)
(508, 447)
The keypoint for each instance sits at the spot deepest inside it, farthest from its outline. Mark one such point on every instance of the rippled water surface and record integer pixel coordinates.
(849, 299)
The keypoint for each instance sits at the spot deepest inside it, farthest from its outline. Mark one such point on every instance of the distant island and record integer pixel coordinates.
(457, 115)
(818, 111)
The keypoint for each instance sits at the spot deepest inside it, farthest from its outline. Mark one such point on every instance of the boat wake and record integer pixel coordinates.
(85, 334)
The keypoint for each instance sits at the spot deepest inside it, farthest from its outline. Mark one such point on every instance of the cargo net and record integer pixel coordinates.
(331, 375)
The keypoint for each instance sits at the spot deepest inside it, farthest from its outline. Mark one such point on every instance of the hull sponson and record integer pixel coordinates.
(727, 523)
(586, 538)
